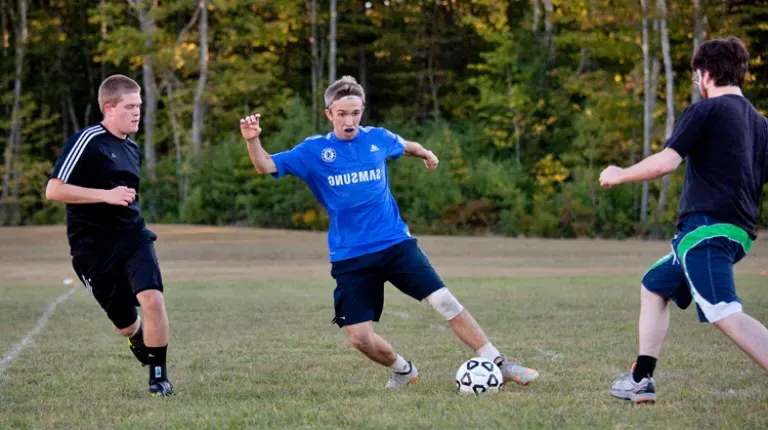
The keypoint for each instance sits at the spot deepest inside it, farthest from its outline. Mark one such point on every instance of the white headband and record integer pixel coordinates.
(349, 97)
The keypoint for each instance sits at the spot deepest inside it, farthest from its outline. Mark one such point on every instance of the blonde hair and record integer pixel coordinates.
(113, 88)
(344, 87)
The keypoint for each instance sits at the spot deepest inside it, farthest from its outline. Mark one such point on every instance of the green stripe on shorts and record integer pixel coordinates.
(730, 231)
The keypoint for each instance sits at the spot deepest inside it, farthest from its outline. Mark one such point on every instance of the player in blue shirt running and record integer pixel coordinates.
(369, 242)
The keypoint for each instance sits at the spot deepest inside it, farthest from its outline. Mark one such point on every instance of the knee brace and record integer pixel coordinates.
(445, 304)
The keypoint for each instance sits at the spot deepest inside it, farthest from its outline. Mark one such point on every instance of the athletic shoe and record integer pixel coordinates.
(637, 392)
(401, 379)
(516, 372)
(161, 389)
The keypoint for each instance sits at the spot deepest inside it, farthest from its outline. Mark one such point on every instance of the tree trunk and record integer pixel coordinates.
(583, 60)
(4, 29)
(549, 45)
(332, 41)
(199, 107)
(648, 105)
(103, 11)
(515, 114)
(312, 6)
(548, 26)
(147, 24)
(632, 161)
(433, 85)
(670, 96)
(699, 26)
(536, 16)
(11, 209)
(72, 113)
(64, 123)
(87, 114)
(363, 75)
(181, 180)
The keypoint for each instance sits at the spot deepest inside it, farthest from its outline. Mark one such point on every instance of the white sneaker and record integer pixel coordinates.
(637, 392)
(401, 379)
(516, 372)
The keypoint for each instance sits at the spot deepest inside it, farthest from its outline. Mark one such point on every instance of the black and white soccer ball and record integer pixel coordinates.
(479, 376)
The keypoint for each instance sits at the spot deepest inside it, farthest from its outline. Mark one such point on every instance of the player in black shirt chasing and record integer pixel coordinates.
(725, 141)
(97, 175)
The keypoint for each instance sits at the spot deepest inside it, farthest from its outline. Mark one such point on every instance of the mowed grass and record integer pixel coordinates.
(262, 354)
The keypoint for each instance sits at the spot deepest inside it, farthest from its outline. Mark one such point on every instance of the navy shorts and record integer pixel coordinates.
(115, 284)
(359, 293)
(700, 267)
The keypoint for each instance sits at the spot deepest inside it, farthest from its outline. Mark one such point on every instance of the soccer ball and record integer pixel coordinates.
(479, 376)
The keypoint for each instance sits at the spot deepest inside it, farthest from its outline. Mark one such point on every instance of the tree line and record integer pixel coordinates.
(524, 101)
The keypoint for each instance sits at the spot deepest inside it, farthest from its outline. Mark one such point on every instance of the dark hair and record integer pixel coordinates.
(725, 59)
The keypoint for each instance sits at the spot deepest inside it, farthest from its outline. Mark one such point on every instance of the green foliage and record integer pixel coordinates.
(523, 116)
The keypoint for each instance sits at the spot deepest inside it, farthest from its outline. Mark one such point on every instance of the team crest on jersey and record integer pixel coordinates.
(328, 155)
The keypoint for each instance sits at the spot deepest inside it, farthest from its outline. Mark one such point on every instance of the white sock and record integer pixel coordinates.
(400, 364)
(488, 351)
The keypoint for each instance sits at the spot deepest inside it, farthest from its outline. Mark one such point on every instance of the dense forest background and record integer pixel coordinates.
(523, 101)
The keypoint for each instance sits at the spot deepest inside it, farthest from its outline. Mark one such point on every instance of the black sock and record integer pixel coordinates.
(157, 370)
(644, 367)
(138, 337)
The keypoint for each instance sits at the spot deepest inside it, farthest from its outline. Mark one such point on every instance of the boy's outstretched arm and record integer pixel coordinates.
(655, 166)
(415, 149)
(250, 129)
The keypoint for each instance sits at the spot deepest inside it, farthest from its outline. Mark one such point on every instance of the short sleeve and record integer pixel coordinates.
(291, 162)
(688, 130)
(74, 154)
(395, 145)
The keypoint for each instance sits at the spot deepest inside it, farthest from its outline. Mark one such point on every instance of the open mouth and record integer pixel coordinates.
(349, 130)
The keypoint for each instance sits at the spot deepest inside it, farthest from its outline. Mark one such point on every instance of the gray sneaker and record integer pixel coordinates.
(637, 392)
(401, 379)
(516, 372)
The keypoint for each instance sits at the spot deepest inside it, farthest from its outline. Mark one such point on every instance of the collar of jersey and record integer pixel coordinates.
(115, 138)
(334, 139)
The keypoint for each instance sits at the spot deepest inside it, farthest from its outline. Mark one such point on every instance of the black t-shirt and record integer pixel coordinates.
(95, 158)
(726, 142)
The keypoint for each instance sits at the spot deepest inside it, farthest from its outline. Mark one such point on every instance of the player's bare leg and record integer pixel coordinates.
(749, 334)
(470, 332)
(652, 330)
(373, 346)
(156, 340)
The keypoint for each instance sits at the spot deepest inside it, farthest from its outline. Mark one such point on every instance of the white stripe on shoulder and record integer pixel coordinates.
(315, 137)
(77, 151)
(68, 161)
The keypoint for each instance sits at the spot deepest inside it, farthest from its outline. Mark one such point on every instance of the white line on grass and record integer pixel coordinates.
(16, 350)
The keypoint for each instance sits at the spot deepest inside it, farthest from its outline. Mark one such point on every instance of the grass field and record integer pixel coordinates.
(252, 346)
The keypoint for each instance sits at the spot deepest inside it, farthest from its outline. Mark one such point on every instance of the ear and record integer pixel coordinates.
(329, 115)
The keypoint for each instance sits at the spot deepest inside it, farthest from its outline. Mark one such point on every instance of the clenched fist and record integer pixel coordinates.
(120, 196)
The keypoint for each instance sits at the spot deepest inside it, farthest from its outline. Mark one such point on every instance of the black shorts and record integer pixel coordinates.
(116, 284)
(359, 293)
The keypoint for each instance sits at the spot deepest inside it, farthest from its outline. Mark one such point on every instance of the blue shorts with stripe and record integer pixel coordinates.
(359, 293)
(700, 267)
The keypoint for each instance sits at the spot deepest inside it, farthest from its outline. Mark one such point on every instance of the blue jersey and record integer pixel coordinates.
(349, 178)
